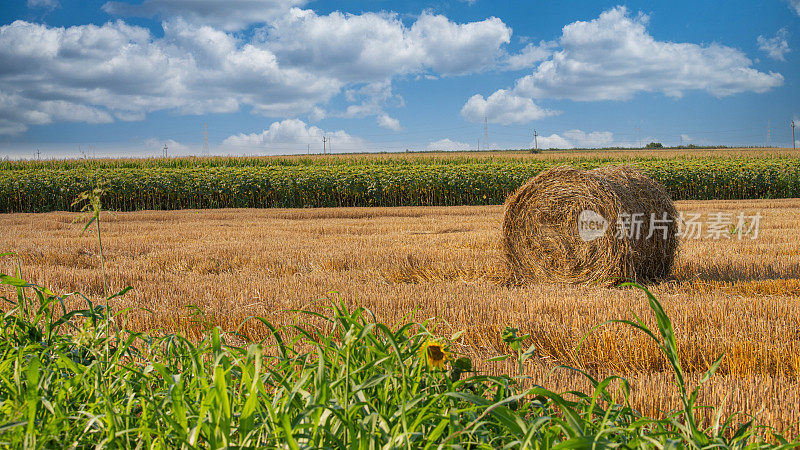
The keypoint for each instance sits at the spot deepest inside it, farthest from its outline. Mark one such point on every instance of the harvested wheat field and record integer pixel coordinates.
(738, 297)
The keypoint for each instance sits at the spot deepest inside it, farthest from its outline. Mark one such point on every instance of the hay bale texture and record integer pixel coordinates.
(541, 238)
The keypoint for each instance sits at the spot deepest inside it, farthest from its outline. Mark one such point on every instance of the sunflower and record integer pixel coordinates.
(434, 353)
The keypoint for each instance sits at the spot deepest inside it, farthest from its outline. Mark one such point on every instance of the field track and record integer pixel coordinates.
(737, 297)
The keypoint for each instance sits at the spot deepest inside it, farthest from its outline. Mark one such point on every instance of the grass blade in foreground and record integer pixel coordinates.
(352, 382)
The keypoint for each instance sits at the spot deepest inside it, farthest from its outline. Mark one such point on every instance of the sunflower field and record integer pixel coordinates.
(213, 183)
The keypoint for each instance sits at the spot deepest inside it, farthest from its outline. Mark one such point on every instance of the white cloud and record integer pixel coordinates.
(151, 147)
(11, 127)
(292, 136)
(503, 107)
(613, 57)
(795, 5)
(530, 55)
(775, 47)
(17, 112)
(95, 73)
(447, 145)
(291, 67)
(46, 4)
(228, 15)
(452, 48)
(155, 146)
(577, 139)
(317, 114)
(375, 46)
(373, 97)
(552, 141)
(389, 123)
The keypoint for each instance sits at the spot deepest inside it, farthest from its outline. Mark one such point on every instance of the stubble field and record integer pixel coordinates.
(738, 297)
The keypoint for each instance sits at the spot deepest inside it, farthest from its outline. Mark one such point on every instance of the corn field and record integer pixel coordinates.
(213, 183)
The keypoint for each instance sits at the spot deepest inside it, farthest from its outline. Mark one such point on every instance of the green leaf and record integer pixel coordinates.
(11, 425)
(288, 433)
(122, 292)
(13, 281)
(436, 432)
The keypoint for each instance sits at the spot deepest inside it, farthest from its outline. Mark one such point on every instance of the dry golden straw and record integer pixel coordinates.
(542, 241)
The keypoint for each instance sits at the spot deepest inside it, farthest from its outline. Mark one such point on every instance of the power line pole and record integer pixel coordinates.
(681, 141)
(769, 130)
(165, 150)
(793, 144)
(535, 141)
(38, 154)
(206, 150)
(308, 150)
(324, 141)
(485, 133)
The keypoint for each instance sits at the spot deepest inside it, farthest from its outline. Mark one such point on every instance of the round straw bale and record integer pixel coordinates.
(589, 226)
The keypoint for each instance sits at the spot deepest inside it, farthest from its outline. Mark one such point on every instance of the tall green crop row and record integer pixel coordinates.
(400, 184)
(256, 161)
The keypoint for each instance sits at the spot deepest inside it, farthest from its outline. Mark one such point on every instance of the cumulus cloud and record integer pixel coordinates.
(292, 67)
(614, 57)
(46, 4)
(369, 99)
(20, 110)
(174, 148)
(775, 47)
(292, 136)
(448, 145)
(529, 56)
(795, 6)
(376, 46)
(11, 127)
(389, 123)
(576, 139)
(451, 48)
(503, 107)
(369, 49)
(229, 15)
(97, 74)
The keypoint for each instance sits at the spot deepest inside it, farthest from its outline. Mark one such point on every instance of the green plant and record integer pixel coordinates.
(93, 203)
(354, 182)
(336, 379)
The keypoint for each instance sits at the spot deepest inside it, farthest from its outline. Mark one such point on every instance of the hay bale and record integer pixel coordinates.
(553, 227)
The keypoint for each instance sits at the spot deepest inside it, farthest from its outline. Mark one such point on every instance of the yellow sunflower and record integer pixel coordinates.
(434, 353)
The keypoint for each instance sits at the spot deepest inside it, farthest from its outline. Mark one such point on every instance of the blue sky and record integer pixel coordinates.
(124, 78)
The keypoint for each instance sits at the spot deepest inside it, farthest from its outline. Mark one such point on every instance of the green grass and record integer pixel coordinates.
(335, 380)
(50, 186)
